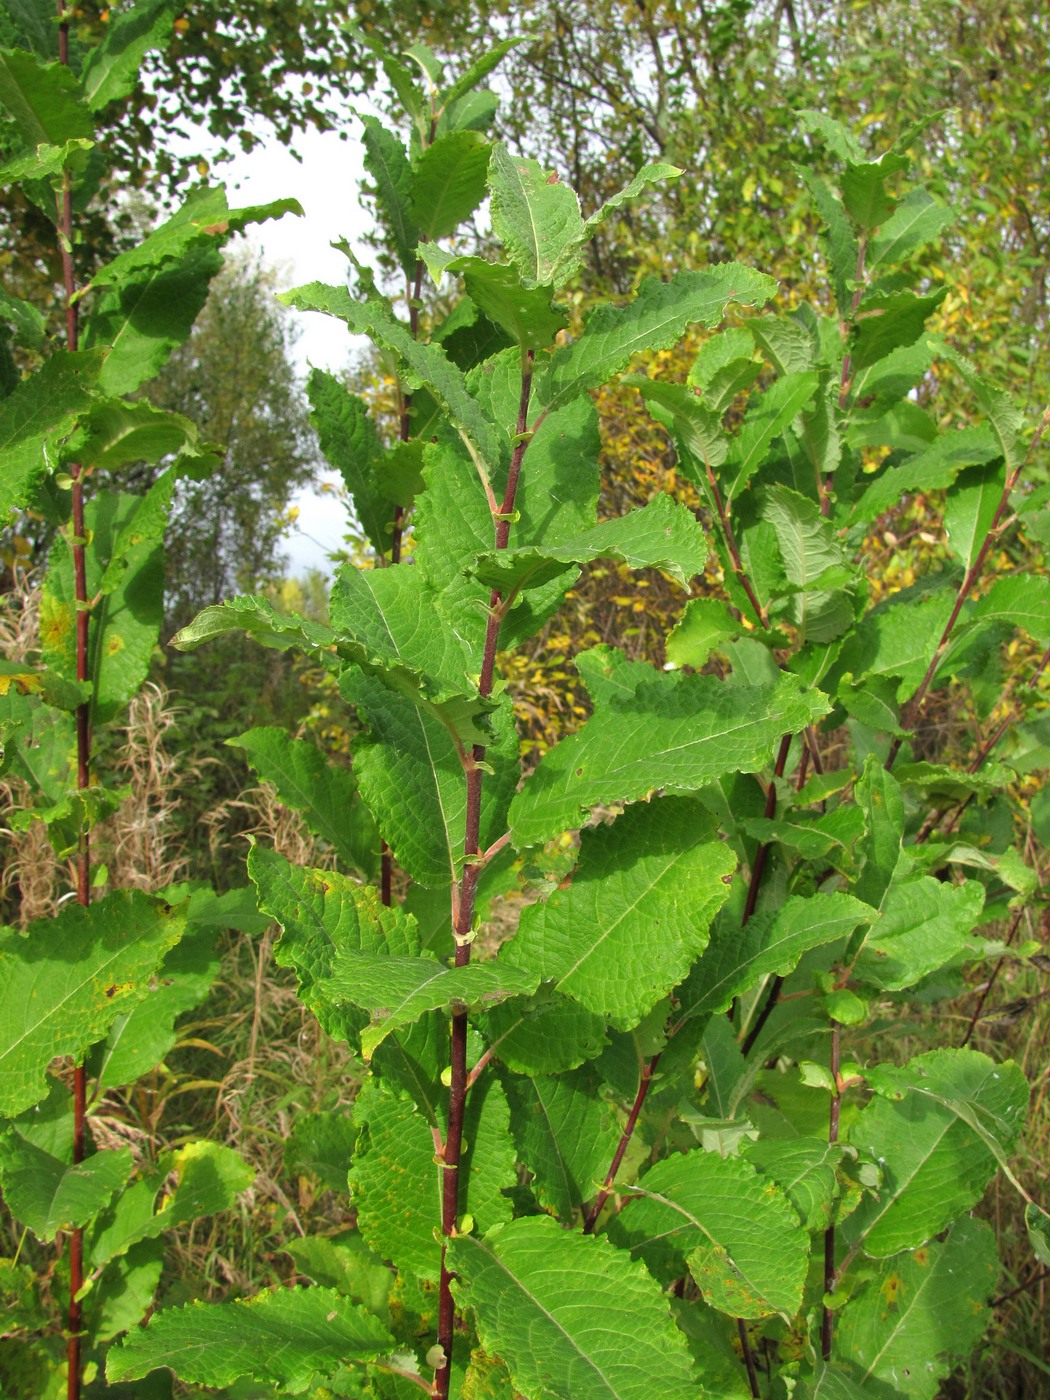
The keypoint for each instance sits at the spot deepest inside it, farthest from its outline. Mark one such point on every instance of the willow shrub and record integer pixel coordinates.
(657, 1141)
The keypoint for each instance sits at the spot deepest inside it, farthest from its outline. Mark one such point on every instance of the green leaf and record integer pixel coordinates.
(349, 440)
(838, 138)
(395, 1182)
(428, 362)
(66, 981)
(887, 321)
(139, 1039)
(672, 730)
(428, 61)
(697, 428)
(566, 1137)
(705, 623)
(1037, 1223)
(42, 100)
(288, 1338)
(324, 914)
(122, 1295)
(921, 1312)
(545, 1033)
(37, 416)
(399, 77)
(474, 112)
(448, 183)
(569, 1314)
(141, 321)
(384, 622)
(930, 470)
(878, 796)
(804, 1168)
(767, 419)
(772, 942)
(480, 68)
(526, 314)
(898, 637)
(841, 241)
(970, 509)
(917, 220)
(324, 793)
(408, 749)
(386, 161)
(874, 703)
(661, 535)
(810, 548)
(649, 174)
(114, 433)
(114, 68)
(535, 217)
(397, 991)
(346, 1263)
(925, 924)
(48, 1195)
(637, 913)
(204, 220)
(789, 344)
(931, 1140)
(864, 190)
(207, 1178)
(1004, 417)
(376, 648)
(1019, 601)
(736, 1232)
(724, 365)
(44, 162)
(26, 319)
(655, 320)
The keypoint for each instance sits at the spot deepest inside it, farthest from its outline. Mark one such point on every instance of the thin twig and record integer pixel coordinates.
(1011, 934)
(645, 1078)
(969, 579)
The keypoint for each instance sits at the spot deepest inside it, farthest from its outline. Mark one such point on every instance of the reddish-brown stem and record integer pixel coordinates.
(734, 551)
(83, 731)
(749, 1358)
(1011, 934)
(827, 1318)
(759, 862)
(969, 579)
(463, 912)
(645, 1078)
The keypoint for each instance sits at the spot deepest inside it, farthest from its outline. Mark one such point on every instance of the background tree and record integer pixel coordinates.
(215, 78)
(235, 377)
(715, 89)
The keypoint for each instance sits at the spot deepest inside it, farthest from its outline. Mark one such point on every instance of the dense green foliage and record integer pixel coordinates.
(626, 1120)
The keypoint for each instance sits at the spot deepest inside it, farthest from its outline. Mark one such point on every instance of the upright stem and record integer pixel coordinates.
(757, 867)
(463, 907)
(827, 1318)
(83, 729)
(749, 1358)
